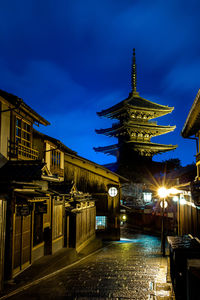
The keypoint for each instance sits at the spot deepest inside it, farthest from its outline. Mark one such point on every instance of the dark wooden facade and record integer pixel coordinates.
(189, 215)
(17, 186)
(95, 179)
(41, 209)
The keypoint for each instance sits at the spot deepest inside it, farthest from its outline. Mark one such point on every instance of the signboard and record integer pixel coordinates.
(23, 210)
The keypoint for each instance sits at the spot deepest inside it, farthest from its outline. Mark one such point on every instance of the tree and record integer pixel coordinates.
(172, 164)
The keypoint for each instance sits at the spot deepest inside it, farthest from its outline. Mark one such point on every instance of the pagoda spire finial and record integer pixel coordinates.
(134, 79)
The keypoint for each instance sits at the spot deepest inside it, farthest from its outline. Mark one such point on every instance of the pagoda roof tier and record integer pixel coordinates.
(144, 149)
(150, 149)
(137, 104)
(110, 150)
(152, 129)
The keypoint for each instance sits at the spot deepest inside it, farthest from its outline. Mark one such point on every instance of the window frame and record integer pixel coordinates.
(21, 126)
(102, 226)
(55, 159)
(146, 198)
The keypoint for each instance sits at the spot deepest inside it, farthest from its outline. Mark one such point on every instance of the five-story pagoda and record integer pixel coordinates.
(134, 130)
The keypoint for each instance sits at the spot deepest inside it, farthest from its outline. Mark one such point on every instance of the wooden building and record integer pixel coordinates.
(134, 131)
(27, 197)
(191, 130)
(49, 196)
(105, 188)
(24, 185)
(89, 178)
(73, 221)
(80, 219)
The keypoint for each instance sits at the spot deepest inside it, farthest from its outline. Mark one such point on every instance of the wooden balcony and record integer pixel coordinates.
(20, 151)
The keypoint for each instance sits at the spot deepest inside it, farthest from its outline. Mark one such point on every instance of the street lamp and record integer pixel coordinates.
(163, 193)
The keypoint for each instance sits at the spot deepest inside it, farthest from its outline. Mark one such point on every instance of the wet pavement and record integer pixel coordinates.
(132, 268)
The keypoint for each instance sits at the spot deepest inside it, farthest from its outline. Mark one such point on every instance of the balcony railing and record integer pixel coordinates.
(20, 151)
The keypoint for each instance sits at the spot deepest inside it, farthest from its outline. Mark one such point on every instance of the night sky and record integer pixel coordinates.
(68, 59)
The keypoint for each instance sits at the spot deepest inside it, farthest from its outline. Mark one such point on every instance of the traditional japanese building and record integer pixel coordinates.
(134, 128)
(50, 197)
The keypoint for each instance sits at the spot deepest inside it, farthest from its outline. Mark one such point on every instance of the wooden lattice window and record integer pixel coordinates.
(23, 133)
(55, 158)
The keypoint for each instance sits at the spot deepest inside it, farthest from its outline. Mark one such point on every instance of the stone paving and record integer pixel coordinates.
(130, 269)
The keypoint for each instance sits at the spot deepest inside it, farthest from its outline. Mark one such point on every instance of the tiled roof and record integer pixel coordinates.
(138, 102)
(61, 187)
(139, 125)
(192, 123)
(19, 103)
(157, 148)
(57, 143)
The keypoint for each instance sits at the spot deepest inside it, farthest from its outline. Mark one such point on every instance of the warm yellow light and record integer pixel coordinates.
(175, 198)
(183, 201)
(124, 217)
(173, 191)
(163, 192)
(165, 203)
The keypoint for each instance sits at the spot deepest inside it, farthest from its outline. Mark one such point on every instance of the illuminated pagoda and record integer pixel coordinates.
(134, 129)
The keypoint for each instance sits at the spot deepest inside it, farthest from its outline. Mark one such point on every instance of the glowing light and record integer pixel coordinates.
(112, 191)
(173, 191)
(124, 217)
(175, 198)
(163, 192)
(183, 201)
(165, 203)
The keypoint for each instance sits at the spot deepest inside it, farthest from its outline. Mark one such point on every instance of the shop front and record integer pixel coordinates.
(22, 231)
(28, 229)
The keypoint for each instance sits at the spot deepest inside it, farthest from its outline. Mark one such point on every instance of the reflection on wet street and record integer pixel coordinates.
(131, 268)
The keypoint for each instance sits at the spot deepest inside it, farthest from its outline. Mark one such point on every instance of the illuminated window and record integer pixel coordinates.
(55, 158)
(112, 191)
(23, 133)
(147, 197)
(101, 222)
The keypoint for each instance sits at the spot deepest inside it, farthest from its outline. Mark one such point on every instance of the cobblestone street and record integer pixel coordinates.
(130, 269)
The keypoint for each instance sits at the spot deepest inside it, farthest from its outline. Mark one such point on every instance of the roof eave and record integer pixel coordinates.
(192, 118)
(37, 118)
(20, 104)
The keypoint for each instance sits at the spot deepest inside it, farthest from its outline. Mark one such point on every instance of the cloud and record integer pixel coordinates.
(76, 129)
(184, 76)
(69, 59)
(44, 84)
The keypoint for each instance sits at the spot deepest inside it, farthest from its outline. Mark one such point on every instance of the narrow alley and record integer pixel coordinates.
(132, 268)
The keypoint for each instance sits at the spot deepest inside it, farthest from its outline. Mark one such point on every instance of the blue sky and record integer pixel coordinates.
(70, 59)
